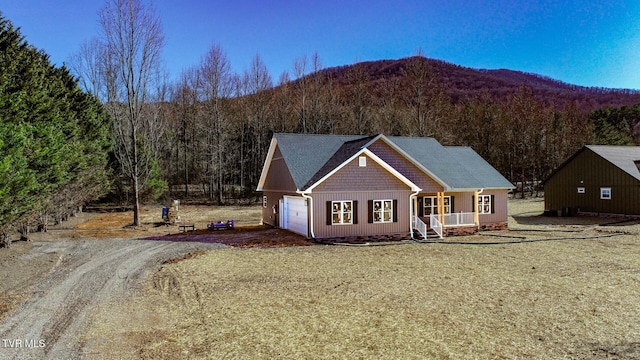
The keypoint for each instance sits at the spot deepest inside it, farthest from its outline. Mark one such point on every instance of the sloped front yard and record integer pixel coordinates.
(573, 297)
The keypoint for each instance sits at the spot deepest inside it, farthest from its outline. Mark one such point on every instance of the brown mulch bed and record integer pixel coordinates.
(240, 236)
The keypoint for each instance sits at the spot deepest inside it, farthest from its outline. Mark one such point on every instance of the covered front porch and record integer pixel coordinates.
(442, 213)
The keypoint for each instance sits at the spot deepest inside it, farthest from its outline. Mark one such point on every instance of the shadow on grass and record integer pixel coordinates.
(542, 220)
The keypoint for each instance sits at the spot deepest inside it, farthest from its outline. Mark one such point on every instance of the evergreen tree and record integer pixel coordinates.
(52, 136)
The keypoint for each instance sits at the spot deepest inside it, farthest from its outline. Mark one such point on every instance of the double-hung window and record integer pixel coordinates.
(431, 205)
(605, 193)
(382, 211)
(484, 204)
(341, 212)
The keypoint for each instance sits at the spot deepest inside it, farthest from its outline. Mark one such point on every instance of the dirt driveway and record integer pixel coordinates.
(52, 285)
(85, 274)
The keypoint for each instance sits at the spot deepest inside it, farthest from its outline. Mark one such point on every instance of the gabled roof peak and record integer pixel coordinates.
(310, 157)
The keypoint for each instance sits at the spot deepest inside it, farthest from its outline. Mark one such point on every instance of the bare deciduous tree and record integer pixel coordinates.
(86, 64)
(257, 81)
(187, 102)
(133, 39)
(300, 72)
(217, 85)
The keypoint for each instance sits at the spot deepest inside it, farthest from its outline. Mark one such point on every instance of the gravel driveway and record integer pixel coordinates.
(86, 273)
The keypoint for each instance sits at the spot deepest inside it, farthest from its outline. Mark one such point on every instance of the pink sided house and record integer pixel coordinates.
(333, 186)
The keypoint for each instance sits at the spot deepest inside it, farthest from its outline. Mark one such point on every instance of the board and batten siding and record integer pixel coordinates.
(500, 210)
(404, 166)
(278, 175)
(361, 184)
(277, 184)
(592, 172)
(269, 217)
(363, 227)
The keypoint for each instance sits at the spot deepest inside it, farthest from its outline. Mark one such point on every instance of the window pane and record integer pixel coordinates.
(347, 218)
(336, 207)
(347, 206)
(377, 205)
(387, 216)
(446, 200)
(427, 202)
(336, 218)
(387, 205)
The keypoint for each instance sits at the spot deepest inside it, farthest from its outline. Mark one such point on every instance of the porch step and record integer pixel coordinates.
(431, 235)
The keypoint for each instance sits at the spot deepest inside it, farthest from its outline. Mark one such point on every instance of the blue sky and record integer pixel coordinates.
(590, 43)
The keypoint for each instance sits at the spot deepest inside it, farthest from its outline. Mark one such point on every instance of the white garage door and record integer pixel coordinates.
(295, 215)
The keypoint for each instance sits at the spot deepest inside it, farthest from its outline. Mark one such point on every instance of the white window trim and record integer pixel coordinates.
(434, 206)
(484, 200)
(381, 210)
(264, 201)
(342, 212)
(605, 193)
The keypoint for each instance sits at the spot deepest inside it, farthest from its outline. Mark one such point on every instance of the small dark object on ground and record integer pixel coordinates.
(185, 228)
(221, 225)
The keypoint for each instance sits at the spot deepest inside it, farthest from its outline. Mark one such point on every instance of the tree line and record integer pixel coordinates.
(219, 131)
(53, 139)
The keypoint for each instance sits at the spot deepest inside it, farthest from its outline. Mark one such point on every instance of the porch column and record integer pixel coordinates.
(476, 215)
(440, 196)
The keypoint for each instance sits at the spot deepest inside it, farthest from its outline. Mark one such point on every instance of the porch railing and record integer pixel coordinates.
(459, 219)
(435, 225)
(420, 226)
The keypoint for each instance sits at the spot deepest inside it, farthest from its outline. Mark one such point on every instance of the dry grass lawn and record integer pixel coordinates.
(576, 298)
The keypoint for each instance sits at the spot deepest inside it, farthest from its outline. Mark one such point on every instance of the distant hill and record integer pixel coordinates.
(463, 84)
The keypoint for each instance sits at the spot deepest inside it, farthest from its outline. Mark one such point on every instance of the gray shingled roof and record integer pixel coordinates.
(306, 154)
(482, 172)
(311, 157)
(624, 157)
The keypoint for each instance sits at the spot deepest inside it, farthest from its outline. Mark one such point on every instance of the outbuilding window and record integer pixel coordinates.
(605, 193)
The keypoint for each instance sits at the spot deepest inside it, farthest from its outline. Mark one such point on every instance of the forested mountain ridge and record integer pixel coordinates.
(465, 84)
